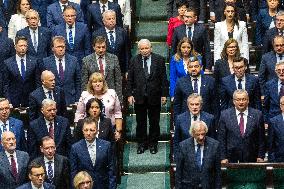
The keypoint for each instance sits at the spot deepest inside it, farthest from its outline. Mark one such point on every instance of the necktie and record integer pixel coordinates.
(111, 37)
(195, 86)
(101, 65)
(280, 56)
(13, 167)
(281, 93)
(241, 125)
(51, 130)
(189, 34)
(194, 118)
(240, 84)
(4, 127)
(64, 6)
(49, 94)
(198, 156)
(35, 41)
(71, 42)
(61, 71)
(50, 171)
(145, 65)
(92, 154)
(104, 8)
(23, 69)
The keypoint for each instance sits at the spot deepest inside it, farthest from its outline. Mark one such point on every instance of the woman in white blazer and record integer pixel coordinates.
(230, 27)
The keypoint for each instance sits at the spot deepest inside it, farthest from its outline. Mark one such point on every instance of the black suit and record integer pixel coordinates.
(200, 41)
(147, 92)
(61, 175)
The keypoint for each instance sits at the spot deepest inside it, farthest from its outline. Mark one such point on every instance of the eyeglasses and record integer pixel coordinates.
(280, 70)
(4, 109)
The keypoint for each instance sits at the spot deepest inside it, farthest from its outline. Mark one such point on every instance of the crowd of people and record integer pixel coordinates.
(56, 54)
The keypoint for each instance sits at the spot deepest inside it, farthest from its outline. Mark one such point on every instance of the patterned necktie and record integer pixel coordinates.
(104, 8)
(4, 127)
(281, 93)
(101, 65)
(50, 172)
(280, 56)
(241, 125)
(111, 37)
(49, 94)
(240, 84)
(70, 35)
(198, 156)
(35, 41)
(195, 85)
(51, 130)
(23, 69)
(61, 71)
(189, 34)
(145, 65)
(13, 167)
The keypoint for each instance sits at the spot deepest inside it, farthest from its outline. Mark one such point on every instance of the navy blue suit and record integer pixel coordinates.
(41, 7)
(44, 38)
(267, 40)
(103, 172)
(95, 19)
(267, 69)
(54, 14)
(236, 148)
(121, 49)
(183, 123)
(200, 40)
(36, 98)
(84, 7)
(7, 49)
(17, 89)
(189, 175)
(16, 126)
(228, 88)
(9, 11)
(271, 99)
(29, 186)
(184, 89)
(82, 44)
(38, 130)
(71, 84)
(262, 25)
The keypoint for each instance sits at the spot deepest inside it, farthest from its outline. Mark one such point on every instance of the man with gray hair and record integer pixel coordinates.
(49, 124)
(147, 89)
(241, 132)
(198, 160)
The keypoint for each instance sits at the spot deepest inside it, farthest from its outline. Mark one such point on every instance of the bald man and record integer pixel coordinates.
(47, 90)
(13, 163)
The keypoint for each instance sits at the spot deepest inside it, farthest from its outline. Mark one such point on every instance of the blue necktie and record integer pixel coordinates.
(49, 95)
(195, 86)
(111, 37)
(50, 171)
(189, 34)
(23, 69)
(71, 42)
(240, 84)
(198, 156)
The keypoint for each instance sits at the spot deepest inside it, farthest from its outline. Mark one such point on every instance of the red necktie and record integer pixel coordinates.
(242, 128)
(101, 65)
(51, 130)
(14, 167)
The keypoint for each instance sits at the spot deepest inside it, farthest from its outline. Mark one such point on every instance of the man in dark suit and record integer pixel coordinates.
(95, 11)
(241, 132)
(41, 7)
(194, 82)
(268, 61)
(7, 49)
(105, 63)
(57, 167)
(47, 90)
(147, 89)
(8, 8)
(240, 80)
(117, 42)
(8, 123)
(13, 163)
(49, 124)
(76, 35)
(38, 37)
(198, 160)
(66, 69)
(36, 176)
(20, 75)
(95, 156)
(54, 14)
(185, 120)
(197, 33)
(271, 33)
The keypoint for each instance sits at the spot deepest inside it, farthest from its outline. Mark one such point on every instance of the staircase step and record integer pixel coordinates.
(154, 31)
(151, 10)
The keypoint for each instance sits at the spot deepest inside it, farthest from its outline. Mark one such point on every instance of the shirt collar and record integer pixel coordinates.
(101, 5)
(8, 154)
(18, 58)
(195, 143)
(2, 123)
(243, 78)
(91, 144)
(45, 90)
(107, 30)
(48, 122)
(36, 30)
(244, 112)
(73, 26)
(48, 160)
(198, 78)
(62, 4)
(97, 56)
(33, 186)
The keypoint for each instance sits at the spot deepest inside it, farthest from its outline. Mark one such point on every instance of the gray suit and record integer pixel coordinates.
(112, 72)
(8, 181)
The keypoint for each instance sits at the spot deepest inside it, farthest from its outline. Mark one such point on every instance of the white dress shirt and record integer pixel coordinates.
(108, 34)
(45, 90)
(92, 151)
(101, 6)
(47, 123)
(245, 116)
(15, 158)
(103, 62)
(32, 35)
(73, 33)
(2, 124)
(192, 30)
(148, 61)
(34, 187)
(57, 63)
(192, 118)
(46, 163)
(61, 5)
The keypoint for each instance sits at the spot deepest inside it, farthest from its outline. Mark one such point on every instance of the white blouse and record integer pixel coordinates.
(17, 22)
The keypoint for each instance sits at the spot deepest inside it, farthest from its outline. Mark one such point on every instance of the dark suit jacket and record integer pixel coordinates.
(29, 186)
(200, 40)
(11, 9)
(8, 181)
(71, 84)
(184, 89)
(103, 173)
(105, 130)
(262, 25)
(62, 135)
(44, 38)
(61, 177)
(182, 126)
(156, 86)
(267, 69)
(82, 44)
(41, 7)
(84, 7)
(94, 16)
(228, 88)
(121, 49)
(16, 126)
(188, 174)
(54, 14)
(36, 98)
(271, 100)
(236, 148)
(267, 40)
(7, 49)
(16, 88)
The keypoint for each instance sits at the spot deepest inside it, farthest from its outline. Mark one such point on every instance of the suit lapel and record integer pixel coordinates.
(248, 84)
(85, 153)
(234, 122)
(224, 31)
(57, 130)
(152, 66)
(232, 83)
(107, 66)
(206, 152)
(203, 85)
(249, 126)
(57, 167)
(6, 162)
(15, 69)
